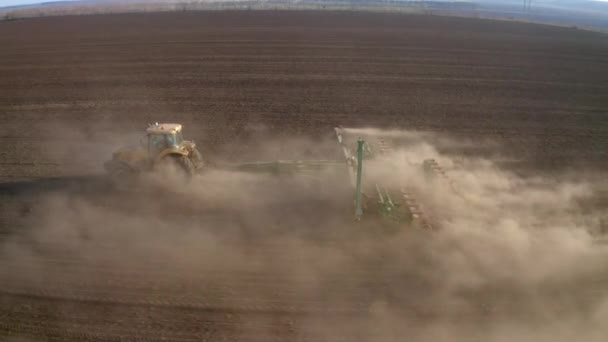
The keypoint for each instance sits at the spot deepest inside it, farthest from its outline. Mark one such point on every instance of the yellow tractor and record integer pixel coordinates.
(163, 146)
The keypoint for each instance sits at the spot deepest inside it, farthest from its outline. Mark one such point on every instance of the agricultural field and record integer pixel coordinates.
(515, 112)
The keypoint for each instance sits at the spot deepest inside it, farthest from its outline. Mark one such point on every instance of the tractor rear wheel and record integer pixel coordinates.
(182, 164)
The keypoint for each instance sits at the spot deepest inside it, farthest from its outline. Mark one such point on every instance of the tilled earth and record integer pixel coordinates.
(272, 260)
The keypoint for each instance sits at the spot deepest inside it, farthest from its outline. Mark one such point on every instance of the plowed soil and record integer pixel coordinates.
(72, 89)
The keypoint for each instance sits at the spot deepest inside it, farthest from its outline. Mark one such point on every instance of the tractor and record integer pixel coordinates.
(162, 147)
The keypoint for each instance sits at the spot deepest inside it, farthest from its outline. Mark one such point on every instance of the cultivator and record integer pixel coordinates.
(435, 172)
(395, 202)
(372, 197)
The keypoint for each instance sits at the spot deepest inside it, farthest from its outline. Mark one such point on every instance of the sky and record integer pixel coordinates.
(4, 3)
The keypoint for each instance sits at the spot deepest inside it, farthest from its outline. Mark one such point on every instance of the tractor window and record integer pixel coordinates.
(179, 138)
(171, 140)
(157, 143)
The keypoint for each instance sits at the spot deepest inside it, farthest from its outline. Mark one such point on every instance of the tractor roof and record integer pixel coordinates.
(157, 128)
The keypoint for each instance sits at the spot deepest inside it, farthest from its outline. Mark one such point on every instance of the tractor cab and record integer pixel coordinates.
(161, 137)
(162, 145)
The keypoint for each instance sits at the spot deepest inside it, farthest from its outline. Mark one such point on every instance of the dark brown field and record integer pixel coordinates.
(82, 262)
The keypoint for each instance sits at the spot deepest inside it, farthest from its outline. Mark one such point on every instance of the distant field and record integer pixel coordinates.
(539, 88)
(587, 14)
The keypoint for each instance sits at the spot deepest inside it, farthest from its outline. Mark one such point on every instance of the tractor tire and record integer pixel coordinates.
(182, 164)
(197, 159)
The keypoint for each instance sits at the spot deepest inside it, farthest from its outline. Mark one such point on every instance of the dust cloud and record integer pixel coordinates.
(513, 257)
